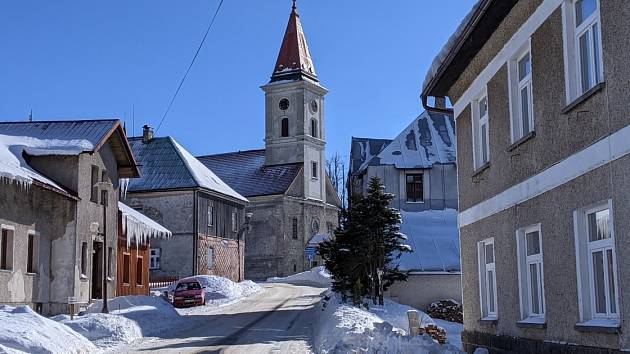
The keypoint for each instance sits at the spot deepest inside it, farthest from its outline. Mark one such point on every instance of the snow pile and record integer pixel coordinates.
(104, 330)
(204, 177)
(434, 238)
(221, 291)
(139, 227)
(153, 315)
(345, 328)
(22, 330)
(317, 276)
(14, 168)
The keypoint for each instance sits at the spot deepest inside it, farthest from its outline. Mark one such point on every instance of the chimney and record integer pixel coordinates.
(440, 102)
(147, 134)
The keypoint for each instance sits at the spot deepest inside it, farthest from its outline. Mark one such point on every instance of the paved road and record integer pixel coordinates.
(279, 320)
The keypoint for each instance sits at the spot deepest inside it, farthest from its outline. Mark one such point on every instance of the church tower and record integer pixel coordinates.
(294, 111)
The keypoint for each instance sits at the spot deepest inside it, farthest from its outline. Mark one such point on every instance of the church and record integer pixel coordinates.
(291, 196)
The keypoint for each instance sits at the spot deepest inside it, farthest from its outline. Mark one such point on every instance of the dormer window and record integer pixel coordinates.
(285, 127)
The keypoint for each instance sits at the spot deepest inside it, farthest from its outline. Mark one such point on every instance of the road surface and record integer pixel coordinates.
(278, 320)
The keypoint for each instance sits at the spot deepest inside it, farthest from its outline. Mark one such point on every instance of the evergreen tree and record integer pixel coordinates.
(361, 257)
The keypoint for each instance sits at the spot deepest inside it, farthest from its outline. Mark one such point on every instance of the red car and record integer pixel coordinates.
(189, 292)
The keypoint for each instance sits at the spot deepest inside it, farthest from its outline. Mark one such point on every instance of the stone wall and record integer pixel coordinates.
(228, 258)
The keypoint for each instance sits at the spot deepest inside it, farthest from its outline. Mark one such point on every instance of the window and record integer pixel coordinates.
(94, 180)
(285, 127)
(487, 279)
(313, 128)
(6, 249)
(583, 48)
(32, 258)
(104, 176)
(210, 258)
(84, 259)
(295, 229)
(139, 271)
(521, 95)
(314, 170)
(234, 221)
(596, 263)
(415, 192)
(210, 215)
(481, 143)
(530, 274)
(126, 267)
(110, 263)
(154, 258)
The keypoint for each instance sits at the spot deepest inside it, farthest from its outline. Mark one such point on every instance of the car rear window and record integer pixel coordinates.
(188, 286)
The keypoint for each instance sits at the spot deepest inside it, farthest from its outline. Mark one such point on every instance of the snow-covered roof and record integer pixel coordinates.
(13, 166)
(166, 165)
(319, 238)
(363, 151)
(434, 239)
(139, 227)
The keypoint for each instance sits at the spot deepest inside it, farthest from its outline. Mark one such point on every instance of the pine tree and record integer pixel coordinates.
(361, 258)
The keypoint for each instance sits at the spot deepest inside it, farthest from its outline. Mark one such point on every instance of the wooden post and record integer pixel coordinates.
(414, 323)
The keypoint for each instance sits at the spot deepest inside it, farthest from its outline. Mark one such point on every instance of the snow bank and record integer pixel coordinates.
(104, 330)
(344, 328)
(317, 276)
(220, 291)
(22, 330)
(153, 315)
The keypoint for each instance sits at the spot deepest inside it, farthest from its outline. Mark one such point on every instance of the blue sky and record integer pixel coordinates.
(98, 59)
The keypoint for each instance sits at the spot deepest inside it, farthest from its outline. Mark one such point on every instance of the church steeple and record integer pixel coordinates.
(294, 60)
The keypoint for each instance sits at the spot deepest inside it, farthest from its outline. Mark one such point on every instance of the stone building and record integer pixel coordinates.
(206, 217)
(540, 96)
(419, 168)
(59, 184)
(291, 196)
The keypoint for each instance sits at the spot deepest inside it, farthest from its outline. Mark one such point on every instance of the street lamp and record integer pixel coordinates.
(103, 187)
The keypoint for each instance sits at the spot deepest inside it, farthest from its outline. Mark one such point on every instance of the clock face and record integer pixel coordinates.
(284, 104)
(314, 106)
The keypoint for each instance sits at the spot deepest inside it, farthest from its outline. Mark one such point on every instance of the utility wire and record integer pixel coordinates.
(181, 83)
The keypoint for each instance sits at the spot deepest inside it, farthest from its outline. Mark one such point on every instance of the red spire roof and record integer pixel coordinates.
(294, 60)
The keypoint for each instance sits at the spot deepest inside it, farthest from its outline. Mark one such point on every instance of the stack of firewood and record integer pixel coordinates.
(437, 333)
(448, 310)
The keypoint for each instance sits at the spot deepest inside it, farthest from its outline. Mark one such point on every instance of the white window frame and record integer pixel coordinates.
(572, 60)
(515, 86)
(584, 254)
(524, 275)
(155, 258)
(484, 294)
(478, 122)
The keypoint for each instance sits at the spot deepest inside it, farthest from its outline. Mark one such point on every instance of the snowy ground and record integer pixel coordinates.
(318, 277)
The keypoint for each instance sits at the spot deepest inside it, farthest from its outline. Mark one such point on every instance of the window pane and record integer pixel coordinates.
(599, 225)
(491, 290)
(484, 146)
(483, 107)
(533, 288)
(583, 9)
(524, 67)
(598, 282)
(525, 109)
(596, 53)
(489, 253)
(611, 281)
(533, 243)
(585, 54)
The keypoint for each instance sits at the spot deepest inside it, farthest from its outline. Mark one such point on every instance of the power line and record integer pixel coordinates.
(190, 66)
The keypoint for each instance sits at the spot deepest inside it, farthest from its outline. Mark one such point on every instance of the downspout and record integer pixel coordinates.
(195, 231)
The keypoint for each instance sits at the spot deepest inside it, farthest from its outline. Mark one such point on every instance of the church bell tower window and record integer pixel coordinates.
(285, 127)
(313, 128)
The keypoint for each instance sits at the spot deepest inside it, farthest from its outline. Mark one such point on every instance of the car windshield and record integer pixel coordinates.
(188, 286)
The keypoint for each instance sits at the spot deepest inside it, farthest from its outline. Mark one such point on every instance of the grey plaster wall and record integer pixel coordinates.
(421, 290)
(175, 211)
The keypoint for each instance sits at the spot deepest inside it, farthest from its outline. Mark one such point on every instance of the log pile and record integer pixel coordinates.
(437, 333)
(448, 310)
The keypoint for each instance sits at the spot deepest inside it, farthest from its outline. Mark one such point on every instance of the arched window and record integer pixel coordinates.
(285, 127)
(313, 128)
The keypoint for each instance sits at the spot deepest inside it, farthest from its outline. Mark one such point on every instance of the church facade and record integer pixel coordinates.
(291, 196)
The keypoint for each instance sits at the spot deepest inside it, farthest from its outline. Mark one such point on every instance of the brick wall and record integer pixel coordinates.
(225, 257)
